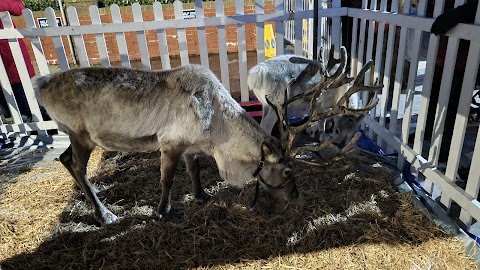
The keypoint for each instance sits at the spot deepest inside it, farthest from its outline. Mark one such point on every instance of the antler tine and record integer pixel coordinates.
(358, 85)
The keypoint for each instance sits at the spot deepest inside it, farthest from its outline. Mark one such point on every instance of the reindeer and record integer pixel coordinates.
(330, 78)
(183, 112)
(297, 74)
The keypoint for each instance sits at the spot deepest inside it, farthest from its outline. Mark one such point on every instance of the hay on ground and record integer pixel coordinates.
(349, 217)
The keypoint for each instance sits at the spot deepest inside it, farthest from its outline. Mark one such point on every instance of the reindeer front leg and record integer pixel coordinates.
(193, 169)
(168, 164)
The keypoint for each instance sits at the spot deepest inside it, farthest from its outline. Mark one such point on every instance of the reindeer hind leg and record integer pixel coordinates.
(66, 158)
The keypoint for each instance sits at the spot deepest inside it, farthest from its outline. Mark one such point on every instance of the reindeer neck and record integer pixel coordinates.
(238, 157)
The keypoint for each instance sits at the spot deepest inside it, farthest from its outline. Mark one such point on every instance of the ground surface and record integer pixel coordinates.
(350, 217)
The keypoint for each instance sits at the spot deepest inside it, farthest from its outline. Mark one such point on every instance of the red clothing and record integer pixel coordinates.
(15, 8)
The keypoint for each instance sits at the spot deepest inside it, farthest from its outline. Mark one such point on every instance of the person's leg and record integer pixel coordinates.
(4, 105)
(21, 99)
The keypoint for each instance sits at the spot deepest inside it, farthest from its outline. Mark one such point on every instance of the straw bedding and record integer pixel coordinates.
(349, 218)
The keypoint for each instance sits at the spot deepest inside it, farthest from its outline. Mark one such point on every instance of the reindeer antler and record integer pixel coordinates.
(333, 76)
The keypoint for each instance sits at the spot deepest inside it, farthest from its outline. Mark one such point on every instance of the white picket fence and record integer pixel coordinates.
(394, 135)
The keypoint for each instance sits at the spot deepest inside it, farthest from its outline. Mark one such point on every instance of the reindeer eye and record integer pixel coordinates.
(287, 172)
(337, 131)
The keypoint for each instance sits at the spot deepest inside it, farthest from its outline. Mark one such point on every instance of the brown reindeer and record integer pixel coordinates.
(183, 112)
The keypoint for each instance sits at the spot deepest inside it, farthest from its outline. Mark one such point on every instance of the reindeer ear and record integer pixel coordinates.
(267, 147)
(270, 146)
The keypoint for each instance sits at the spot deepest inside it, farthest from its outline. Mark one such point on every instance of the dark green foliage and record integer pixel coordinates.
(40, 5)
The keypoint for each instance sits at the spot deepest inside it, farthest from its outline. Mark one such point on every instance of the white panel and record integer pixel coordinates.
(202, 36)
(23, 74)
(99, 37)
(279, 29)
(162, 37)
(141, 37)
(222, 46)
(298, 26)
(36, 44)
(121, 41)
(260, 33)
(417, 39)
(57, 39)
(242, 53)
(181, 33)
(397, 85)
(79, 42)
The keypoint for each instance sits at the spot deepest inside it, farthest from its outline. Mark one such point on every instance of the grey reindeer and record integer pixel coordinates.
(183, 112)
(269, 79)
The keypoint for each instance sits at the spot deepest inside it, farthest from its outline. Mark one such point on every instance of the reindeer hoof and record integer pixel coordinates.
(203, 198)
(162, 213)
(108, 218)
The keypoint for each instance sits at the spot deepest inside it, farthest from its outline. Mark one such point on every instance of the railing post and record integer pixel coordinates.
(337, 29)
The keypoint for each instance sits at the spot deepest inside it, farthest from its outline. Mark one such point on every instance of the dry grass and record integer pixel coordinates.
(349, 218)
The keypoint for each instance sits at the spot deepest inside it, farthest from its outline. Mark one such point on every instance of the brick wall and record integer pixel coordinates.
(152, 40)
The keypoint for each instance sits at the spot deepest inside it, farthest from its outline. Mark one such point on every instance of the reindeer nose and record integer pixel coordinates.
(317, 132)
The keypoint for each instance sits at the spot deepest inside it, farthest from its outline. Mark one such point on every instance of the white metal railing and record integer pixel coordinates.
(373, 37)
(324, 34)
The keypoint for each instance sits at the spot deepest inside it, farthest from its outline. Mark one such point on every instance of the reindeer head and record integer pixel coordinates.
(346, 120)
(274, 172)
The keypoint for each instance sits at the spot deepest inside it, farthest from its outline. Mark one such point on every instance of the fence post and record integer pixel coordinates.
(337, 29)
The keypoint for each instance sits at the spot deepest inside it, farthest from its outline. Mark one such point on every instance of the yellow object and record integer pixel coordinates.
(269, 40)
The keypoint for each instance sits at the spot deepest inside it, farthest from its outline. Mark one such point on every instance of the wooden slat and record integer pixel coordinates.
(141, 37)
(473, 182)
(319, 30)
(260, 33)
(36, 43)
(222, 46)
(181, 34)
(120, 36)
(417, 39)
(242, 53)
(202, 36)
(57, 39)
(79, 42)
(23, 74)
(361, 40)
(279, 29)
(397, 86)
(354, 50)
(378, 69)
(369, 56)
(388, 70)
(162, 37)
(8, 92)
(298, 26)
(336, 32)
(99, 37)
